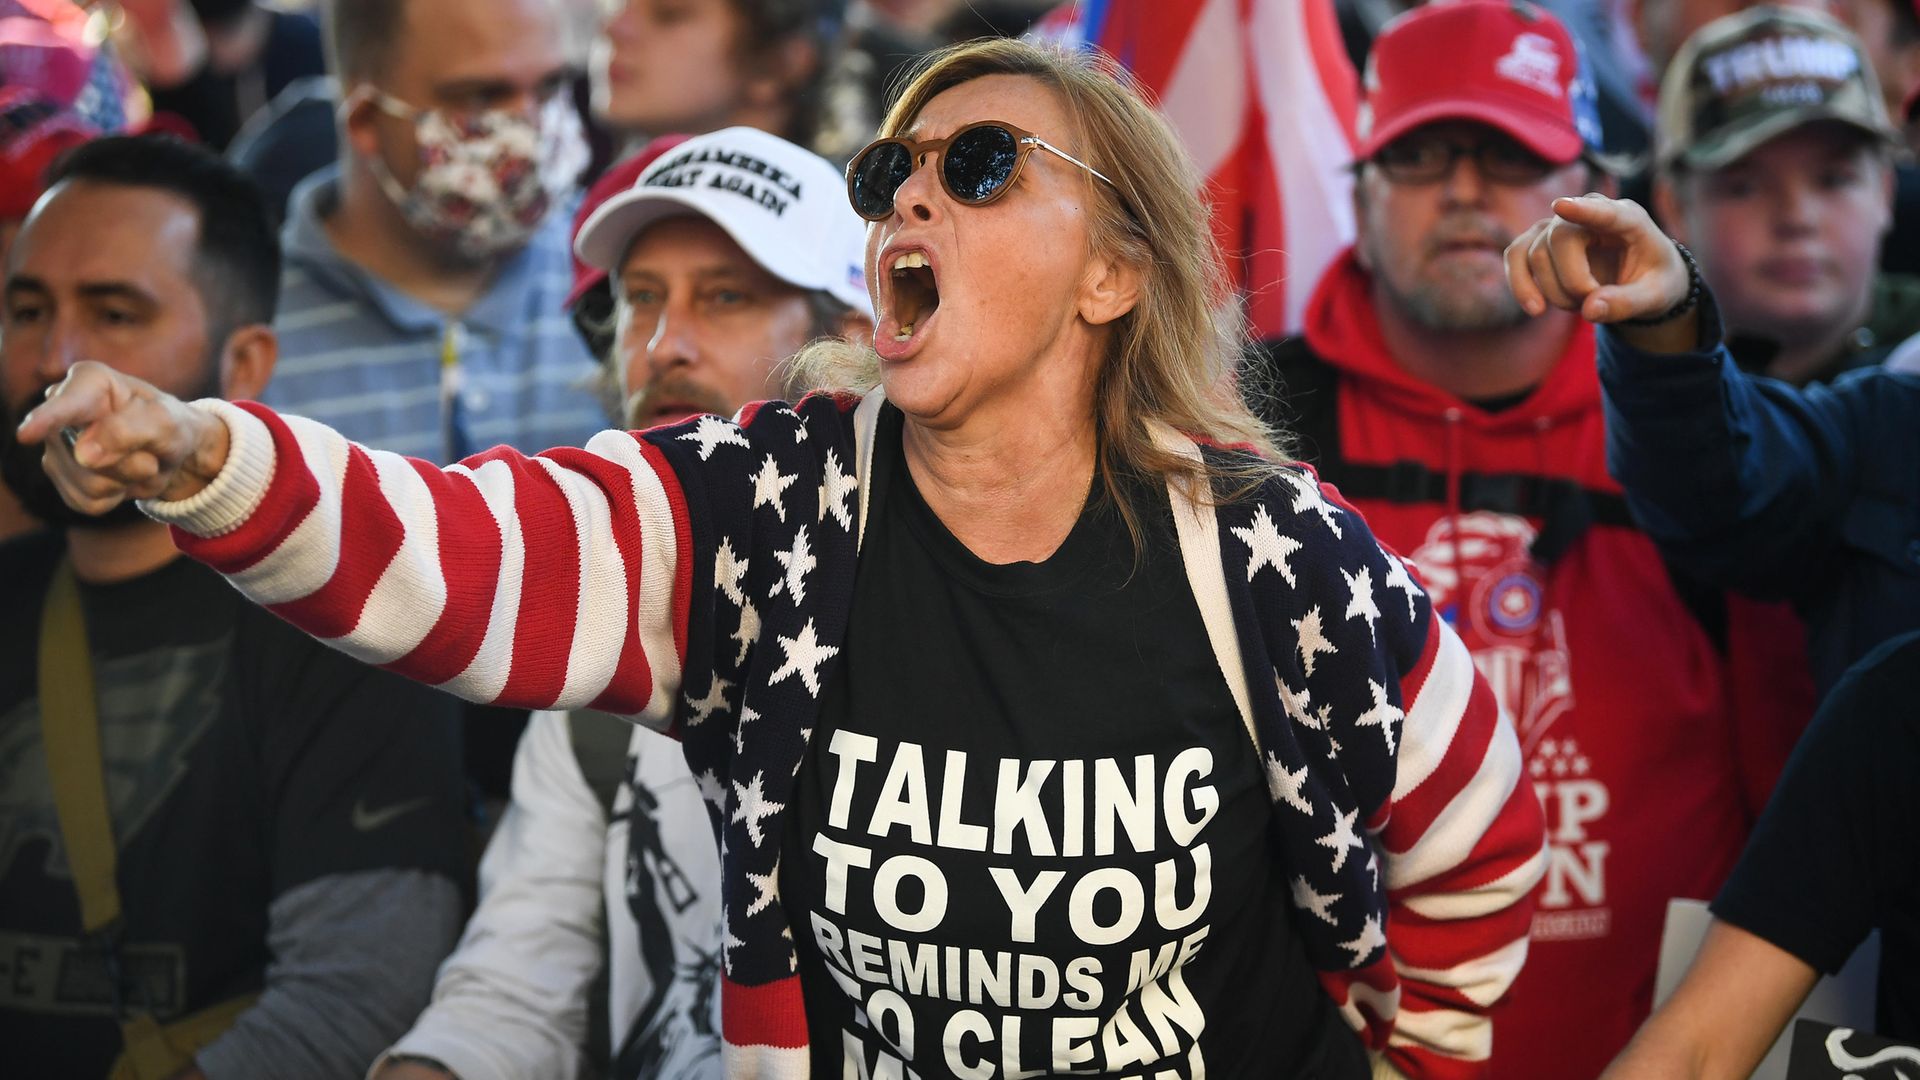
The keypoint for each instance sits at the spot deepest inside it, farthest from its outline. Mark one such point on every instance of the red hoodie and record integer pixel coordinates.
(1625, 710)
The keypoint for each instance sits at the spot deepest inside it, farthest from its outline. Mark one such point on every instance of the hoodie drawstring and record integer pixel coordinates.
(1453, 498)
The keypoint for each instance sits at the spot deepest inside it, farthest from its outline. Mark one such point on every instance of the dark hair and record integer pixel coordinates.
(1906, 24)
(237, 262)
(361, 35)
(820, 101)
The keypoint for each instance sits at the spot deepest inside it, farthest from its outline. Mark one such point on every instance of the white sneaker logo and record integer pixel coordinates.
(1532, 61)
(365, 820)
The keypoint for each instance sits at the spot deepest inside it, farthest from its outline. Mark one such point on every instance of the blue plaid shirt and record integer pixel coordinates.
(388, 371)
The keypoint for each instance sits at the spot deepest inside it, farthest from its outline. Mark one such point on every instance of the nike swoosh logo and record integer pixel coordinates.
(365, 820)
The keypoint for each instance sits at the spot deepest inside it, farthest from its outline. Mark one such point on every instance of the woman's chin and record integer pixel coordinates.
(917, 388)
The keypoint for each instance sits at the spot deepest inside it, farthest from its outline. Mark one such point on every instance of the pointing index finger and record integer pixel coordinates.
(1596, 212)
(73, 404)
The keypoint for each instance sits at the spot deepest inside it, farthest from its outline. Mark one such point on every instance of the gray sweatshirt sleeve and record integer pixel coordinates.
(353, 963)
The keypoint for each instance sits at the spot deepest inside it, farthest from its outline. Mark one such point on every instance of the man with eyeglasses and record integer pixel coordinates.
(1471, 436)
(427, 268)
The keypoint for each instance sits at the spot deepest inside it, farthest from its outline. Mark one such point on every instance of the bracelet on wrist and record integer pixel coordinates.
(1686, 304)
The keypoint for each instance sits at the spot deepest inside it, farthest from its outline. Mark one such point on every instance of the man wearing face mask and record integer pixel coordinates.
(425, 268)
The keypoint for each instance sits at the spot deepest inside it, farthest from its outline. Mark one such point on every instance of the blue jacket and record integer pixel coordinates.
(1810, 495)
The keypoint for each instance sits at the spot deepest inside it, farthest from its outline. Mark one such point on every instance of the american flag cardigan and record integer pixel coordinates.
(699, 577)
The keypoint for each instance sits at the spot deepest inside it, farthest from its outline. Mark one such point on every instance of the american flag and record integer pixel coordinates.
(1263, 95)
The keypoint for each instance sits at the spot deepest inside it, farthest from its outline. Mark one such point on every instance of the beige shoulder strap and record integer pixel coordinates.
(70, 731)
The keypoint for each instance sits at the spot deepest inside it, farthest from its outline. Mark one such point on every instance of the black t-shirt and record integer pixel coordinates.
(1837, 853)
(1031, 835)
(243, 759)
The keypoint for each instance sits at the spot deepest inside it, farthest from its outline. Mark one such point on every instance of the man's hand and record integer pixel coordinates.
(1607, 260)
(131, 441)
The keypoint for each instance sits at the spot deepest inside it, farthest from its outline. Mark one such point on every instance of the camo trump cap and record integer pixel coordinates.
(1753, 76)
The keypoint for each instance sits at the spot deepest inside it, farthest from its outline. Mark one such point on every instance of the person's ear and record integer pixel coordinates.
(784, 67)
(359, 120)
(1111, 289)
(1667, 209)
(246, 363)
(857, 327)
(366, 130)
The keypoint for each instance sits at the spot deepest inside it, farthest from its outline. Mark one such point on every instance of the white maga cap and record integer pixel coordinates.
(784, 205)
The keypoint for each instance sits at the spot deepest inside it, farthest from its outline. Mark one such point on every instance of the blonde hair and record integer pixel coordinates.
(1172, 358)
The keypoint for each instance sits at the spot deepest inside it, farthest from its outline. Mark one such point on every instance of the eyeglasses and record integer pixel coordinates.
(978, 164)
(1425, 160)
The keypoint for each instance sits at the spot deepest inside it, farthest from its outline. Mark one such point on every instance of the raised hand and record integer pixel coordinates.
(111, 437)
(1607, 260)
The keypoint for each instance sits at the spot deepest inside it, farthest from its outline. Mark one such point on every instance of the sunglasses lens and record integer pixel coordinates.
(876, 175)
(978, 163)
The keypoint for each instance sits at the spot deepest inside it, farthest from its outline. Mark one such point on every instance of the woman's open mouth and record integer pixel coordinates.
(914, 293)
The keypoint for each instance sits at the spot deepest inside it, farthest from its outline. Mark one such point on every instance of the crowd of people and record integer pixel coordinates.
(695, 538)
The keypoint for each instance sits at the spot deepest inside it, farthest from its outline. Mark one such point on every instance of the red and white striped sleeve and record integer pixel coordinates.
(549, 581)
(1464, 847)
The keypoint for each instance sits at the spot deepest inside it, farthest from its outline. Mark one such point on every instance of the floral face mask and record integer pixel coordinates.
(487, 179)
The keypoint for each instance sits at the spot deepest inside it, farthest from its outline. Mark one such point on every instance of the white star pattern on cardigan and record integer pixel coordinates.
(1342, 839)
(747, 716)
(805, 654)
(1360, 602)
(799, 562)
(1313, 639)
(728, 571)
(766, 889)
(1306, 899)
(749, 631)
(1287, 785)
(712, 790)
(770, 486)
(1268, 546)
(715, 703)
(1398, 578)
(1297, 703)
(836, 487)
(1307, 496)
(1370, 938)
(1382, 715)
(714, 432)
(752, 806)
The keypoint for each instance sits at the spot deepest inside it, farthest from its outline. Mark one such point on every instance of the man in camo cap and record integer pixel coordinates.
(1775, 165)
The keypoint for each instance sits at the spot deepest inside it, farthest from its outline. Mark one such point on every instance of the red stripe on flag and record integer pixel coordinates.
(1339, 84)
(1149, 36)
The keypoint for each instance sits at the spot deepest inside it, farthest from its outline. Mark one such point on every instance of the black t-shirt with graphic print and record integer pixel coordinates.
(1031, 837)
(243, 760)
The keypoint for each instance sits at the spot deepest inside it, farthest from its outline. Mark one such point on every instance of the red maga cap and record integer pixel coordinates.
(1504, 63)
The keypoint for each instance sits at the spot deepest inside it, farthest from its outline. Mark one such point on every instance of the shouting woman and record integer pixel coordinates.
(1050, 722)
